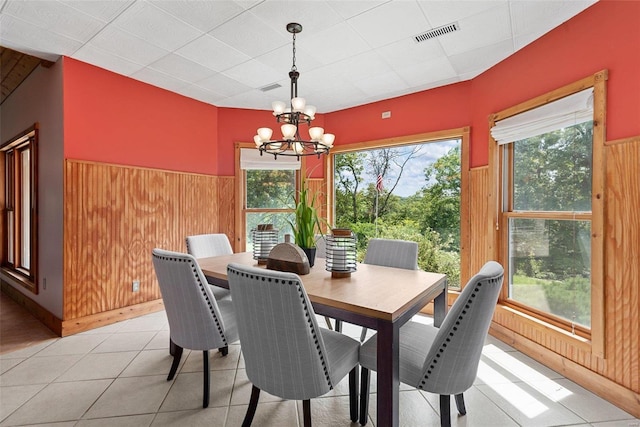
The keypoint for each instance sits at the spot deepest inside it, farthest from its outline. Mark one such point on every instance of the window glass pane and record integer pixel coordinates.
(279, 221)
(552, 172)
(409, 192)
(550, 266)
(270, 189)
(26, 209)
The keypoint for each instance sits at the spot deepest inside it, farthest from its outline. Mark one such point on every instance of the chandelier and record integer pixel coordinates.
(292, 117)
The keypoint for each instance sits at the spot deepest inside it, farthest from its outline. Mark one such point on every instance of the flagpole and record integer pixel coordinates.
(376, 218)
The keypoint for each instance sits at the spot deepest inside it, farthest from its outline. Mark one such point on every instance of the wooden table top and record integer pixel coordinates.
(375, 291)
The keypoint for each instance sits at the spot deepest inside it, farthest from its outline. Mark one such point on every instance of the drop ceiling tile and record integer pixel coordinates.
(127, 46)
(212, 53)
(538, 17)
(250, 35)
(159, 79)
(349, 9)
(254, 99)
(390, 22)
(381, 84)
(482, 58)
(56, 17)
(181, 68)
(477, 31)
(104, 10)
(156, 26)
(203, 15)
(201, 94)
(281, 59)
(253, 74)
(17, 32)
(432, 71)
(406, 52)
(446, 12)
(314, 16)
(109, 61)
(334, 44)
(225, 86)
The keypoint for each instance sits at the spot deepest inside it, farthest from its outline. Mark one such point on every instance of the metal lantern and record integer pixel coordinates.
(341, 252)
(264, 238)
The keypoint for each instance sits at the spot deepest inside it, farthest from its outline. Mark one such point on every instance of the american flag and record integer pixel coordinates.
(379, 186)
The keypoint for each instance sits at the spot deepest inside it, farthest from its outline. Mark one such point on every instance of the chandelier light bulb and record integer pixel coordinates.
(316, 133)
(327, 139)
(288, 131)
(265, 134)
(278, 107)
(310, 110)
(298, 148)
(297, 104)
(274, 146)
(257, 140)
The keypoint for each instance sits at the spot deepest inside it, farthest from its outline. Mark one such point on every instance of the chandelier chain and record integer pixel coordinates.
(293, 66)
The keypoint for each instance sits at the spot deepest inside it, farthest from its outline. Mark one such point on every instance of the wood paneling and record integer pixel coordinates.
(114, 216)
(480, 247)
(622, 268)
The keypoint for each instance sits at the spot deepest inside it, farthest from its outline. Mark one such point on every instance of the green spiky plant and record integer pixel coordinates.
(307, 223)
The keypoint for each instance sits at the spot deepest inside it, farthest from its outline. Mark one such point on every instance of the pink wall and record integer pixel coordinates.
(114, 119)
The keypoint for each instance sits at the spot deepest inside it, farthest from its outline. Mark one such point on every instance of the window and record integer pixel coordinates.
(547, 218)
(410, 189)
(19, 225)
(267, 193)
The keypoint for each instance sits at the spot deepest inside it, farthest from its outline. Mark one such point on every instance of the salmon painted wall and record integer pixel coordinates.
(604, 36)
(115, 119)
(240, 125)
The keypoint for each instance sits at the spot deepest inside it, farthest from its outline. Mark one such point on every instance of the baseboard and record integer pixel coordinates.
(611, 391)
(35, 309)
(81, 324)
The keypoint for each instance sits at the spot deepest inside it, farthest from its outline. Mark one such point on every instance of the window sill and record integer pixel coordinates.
(17, 279)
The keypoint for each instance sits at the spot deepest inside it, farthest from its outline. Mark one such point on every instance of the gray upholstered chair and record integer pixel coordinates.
(443, 360)
(286, 354)
(196, 320)
(207, 245)
(389, 253)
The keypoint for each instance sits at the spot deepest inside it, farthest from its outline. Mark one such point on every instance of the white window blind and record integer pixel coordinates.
(567, 111)
(250, 158)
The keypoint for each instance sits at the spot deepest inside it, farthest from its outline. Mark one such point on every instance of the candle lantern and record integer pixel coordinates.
(264, 238)
(340, 252)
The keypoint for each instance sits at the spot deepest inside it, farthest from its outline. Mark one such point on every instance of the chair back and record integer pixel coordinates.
(283, 349)
(392, 253)
(452, 362)
(193, 314)
(208, 245)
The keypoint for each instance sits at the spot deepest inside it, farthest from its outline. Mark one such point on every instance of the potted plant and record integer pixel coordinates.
(307, 222)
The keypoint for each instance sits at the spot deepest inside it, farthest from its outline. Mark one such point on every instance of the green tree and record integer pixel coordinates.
(348, 175)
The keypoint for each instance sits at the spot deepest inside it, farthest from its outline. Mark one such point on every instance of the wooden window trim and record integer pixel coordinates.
(16, 274)
(497, 221)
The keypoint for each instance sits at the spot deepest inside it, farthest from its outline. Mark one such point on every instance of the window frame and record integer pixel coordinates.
(241, 199)
(498, 156)
(12, 199)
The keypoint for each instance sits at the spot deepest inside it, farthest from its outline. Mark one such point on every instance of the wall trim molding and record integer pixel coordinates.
(35, 309)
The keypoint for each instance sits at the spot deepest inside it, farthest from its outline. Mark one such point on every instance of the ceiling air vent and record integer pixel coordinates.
(436, 32)
(270, 87)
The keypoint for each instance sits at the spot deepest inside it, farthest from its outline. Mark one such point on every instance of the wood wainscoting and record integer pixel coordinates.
(114, 216)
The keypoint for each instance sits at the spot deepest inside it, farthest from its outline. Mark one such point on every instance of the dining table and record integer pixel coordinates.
(376, 297)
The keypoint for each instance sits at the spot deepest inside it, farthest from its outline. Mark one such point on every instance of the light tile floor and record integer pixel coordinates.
(116, 376)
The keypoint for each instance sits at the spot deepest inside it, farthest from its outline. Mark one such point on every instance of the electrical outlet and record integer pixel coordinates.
(135, 286)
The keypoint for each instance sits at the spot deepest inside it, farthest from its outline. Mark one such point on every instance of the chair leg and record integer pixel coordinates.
(462, 410)
(328, 321)
(306, 412)
(338, 327)
(172, 347)
(177, 355)
(224, 350)
(445, 410)
(206, 378)
(251, 410)
(363, 334)
(353, 394)
(364, 395)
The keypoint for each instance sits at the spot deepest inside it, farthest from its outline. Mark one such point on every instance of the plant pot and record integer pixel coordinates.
(311, 255)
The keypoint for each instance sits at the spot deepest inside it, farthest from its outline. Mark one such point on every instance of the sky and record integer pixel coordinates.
(413, 178)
